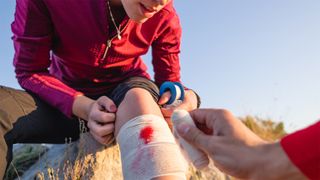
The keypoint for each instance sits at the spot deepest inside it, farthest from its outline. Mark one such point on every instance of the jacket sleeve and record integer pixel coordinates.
(303, 149)
(32, 37)
(165, 51)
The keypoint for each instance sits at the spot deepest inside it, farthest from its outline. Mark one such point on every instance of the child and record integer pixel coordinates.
(81, 59)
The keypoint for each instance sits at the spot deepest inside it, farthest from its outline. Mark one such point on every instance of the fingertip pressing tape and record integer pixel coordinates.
(171, 86)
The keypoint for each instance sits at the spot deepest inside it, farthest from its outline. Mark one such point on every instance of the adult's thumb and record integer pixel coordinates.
(194, 136)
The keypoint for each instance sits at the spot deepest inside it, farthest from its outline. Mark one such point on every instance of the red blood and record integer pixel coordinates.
(146, 134)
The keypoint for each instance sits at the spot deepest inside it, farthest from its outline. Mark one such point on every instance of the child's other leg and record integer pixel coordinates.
(25, 118)
(148, 149)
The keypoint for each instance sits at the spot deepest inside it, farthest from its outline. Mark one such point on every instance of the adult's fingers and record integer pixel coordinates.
(219, 120)
(223, 123)
(203, 116)
(106, 104)
(194, 136)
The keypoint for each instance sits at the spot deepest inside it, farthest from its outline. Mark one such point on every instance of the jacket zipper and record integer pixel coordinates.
(107, 48)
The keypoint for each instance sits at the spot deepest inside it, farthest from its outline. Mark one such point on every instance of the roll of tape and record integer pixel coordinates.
(176, 89)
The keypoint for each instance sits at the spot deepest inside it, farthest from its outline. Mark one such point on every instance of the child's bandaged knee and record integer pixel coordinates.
(148, 149)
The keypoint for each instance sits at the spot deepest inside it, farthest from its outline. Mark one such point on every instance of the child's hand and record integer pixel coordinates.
(101, 119)
(189, 103)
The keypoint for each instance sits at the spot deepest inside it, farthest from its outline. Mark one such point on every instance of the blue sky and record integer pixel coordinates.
(259, 58)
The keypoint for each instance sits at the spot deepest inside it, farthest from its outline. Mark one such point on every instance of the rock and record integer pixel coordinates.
(84, 159)
(24, 156)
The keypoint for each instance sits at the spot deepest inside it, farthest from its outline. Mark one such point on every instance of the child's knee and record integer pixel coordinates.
(131, 86)
(148, 149)
(136, 94)
(137, 101)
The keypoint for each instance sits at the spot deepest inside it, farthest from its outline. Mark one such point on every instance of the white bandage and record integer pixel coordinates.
(148, 149)
(199, 159)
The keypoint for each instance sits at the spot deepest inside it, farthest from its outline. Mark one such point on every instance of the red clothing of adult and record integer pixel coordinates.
(59, 47)
(303, 149)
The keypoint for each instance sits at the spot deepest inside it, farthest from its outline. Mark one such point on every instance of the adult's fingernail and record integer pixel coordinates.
(183, 128)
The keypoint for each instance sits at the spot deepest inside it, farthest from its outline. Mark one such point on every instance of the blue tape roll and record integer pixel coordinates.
(170, 86)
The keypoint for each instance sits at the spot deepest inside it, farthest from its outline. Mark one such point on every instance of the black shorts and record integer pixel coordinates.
(118, 93)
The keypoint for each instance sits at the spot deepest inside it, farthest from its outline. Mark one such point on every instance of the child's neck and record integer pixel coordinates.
(118, 13)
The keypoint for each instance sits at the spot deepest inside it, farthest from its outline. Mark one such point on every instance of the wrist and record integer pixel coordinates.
(197, 99)
(81, 106)
(193, 99)
(275, 161)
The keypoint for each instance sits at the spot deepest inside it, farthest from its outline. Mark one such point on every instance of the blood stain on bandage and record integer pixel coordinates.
(146, 134)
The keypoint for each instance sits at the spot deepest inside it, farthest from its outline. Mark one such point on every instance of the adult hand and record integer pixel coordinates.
(101, 119)
(235, 149)
(189, 103)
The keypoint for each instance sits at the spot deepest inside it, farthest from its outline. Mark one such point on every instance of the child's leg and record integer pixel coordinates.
(147, 146)
(137, 102)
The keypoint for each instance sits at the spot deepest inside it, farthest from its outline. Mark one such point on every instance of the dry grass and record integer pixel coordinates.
(265, 128)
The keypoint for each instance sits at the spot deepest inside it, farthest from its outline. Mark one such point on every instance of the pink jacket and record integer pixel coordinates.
(59, 47)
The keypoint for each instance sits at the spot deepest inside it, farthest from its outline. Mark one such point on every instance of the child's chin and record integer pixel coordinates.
(139, 19)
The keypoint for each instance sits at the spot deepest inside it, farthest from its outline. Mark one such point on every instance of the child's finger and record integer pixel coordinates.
(102, 117)
(166, 112)
(167, 116)
(107, 104)
(164, 98)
